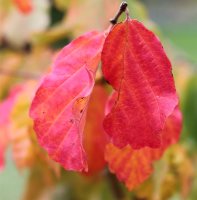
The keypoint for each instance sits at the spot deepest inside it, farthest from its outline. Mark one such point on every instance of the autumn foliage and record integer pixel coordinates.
(108, 102)
(136, 66)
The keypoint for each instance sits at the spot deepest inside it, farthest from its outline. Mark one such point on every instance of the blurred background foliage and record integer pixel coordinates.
(31, 34)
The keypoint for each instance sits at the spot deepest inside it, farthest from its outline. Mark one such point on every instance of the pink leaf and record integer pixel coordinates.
(59, 107)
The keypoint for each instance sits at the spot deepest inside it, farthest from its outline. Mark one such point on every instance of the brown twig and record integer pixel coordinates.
(123, 8)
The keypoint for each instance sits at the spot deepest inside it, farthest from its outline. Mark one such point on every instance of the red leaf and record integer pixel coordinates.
(172, 129)
(135, 166)
(25, 6)
(59, 107)
(139, 70)
(95, 139)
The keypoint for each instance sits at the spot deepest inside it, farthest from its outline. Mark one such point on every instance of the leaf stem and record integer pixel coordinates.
(123, 8)
(115, 186)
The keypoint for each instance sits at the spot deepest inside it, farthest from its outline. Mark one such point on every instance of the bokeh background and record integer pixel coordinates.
(30, 37)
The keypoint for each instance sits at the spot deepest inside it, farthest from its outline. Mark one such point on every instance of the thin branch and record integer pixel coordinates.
(4, 44)
(17, 74)
(115, 186)
(123, 8)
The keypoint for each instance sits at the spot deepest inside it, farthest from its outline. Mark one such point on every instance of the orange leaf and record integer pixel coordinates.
(95, 138)
(21, 131)
(134, 166)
